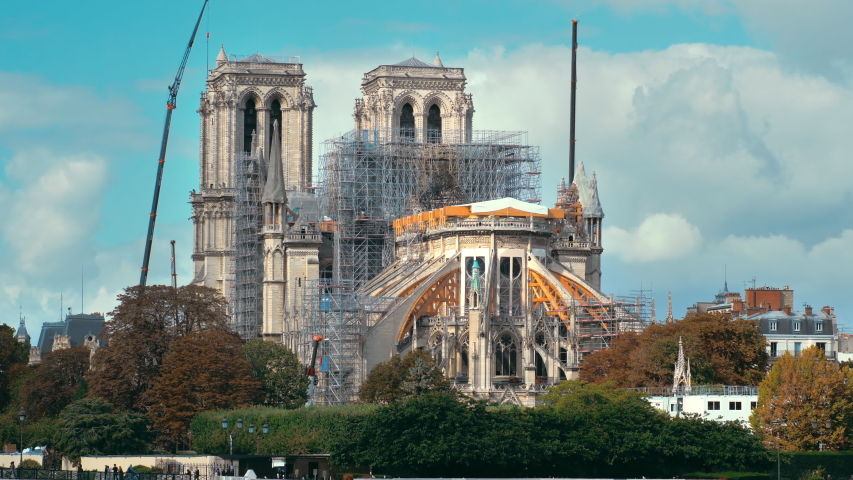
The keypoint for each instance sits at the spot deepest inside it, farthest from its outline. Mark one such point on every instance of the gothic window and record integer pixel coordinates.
(434, 125)
(250, 122)
(407, 122)
(275, 115)
(505, 356)
(510, 283)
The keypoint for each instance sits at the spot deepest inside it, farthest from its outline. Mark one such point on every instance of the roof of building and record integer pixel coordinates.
(257, 58)
(76, 327)
(785, 323)
(414, 62)
(504, 204)
(22, 332)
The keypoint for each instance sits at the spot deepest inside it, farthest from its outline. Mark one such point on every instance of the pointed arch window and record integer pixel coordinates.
(407, 122)
(250, 122)
(434, 124)
(275, 115)
(506, 356)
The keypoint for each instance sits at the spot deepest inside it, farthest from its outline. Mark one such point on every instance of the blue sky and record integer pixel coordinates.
(718, 129)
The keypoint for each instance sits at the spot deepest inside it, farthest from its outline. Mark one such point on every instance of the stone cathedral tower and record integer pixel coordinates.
(245, 97)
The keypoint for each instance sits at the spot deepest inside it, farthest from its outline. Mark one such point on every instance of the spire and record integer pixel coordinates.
(669, 307)
(437, 61)
(475, 288)
(22, 335)
(592, 209)
(582, 183)
(221, 58)
(682, 371)
(274, 187)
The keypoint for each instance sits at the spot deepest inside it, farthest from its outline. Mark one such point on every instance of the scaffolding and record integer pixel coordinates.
(245, 304)
(371, 177)
(340, 316)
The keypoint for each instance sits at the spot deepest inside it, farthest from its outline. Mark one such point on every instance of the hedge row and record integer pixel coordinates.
(292, 432)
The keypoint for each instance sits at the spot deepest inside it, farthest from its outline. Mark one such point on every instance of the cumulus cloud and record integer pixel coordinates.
(659, 237)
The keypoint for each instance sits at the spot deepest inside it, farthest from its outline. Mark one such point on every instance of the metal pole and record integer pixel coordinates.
(572, 106)
(778, 464)
(21, 459)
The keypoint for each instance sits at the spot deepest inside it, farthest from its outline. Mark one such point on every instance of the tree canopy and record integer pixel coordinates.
(804, 402)
(57, 381)
(721, 351)
(397, 378)
(203, 371)
(90, 427)
(140, 332)
(282, 378)
(582, 431)
(13, 360)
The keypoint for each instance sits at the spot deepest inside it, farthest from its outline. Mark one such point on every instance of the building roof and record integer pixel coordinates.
(257, 58)
(785, 323)
(506, 203)
(22, 334)
(76, 327)
(414, 62)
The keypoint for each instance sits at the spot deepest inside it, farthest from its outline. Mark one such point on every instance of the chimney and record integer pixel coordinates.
(827, 310)
(808, 309)
(787, 310)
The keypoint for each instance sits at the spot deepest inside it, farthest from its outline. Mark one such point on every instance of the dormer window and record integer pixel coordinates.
(796, 326)
(818, 326)
(774, 325)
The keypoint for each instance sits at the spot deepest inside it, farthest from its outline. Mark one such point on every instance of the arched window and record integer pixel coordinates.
(407, 122)
(250, 122)
(505, 356)
(434, 125)
(275, 114)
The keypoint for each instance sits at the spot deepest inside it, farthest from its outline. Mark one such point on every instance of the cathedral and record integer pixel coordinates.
(422, 233)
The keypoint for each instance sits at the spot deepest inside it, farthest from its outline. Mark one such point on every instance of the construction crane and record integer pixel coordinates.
(310, 372)
(171, 104)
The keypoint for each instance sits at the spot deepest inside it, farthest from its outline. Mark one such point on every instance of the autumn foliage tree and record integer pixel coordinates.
(54, 383)
(804, 402)
(203, 371)
(399, 378)
(721, 351)
(139, 334)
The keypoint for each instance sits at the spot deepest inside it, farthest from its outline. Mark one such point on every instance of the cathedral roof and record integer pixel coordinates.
(274, 186)
(257, 58)
(414, 62)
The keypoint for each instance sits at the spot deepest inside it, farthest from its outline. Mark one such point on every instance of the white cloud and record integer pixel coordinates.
(659, 237)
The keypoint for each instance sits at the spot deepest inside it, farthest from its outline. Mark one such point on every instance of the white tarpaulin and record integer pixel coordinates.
(503, 204)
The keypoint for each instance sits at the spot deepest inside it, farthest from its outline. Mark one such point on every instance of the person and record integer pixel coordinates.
(12, 470)
(120, 473)
(196, 473)
(106, 472)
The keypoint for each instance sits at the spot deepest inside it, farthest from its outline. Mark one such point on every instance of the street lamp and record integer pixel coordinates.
(259, 436)
(22, 415)
(231, 432)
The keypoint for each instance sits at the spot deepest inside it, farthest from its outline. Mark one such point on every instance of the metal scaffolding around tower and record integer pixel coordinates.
(371, 177)
(246, 262)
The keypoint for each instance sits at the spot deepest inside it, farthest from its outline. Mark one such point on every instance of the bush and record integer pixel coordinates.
(292, 432)
(30, 464)
(731, 475)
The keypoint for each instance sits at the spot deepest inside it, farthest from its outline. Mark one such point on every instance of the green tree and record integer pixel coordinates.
(282, 378)
(203, 371)
(57, 381)
(398, 378)
(721, 351)
(13, 359)
(91, 427)
(139, 334)
(804, 402)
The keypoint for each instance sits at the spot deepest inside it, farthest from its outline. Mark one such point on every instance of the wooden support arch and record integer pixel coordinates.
(445, 290)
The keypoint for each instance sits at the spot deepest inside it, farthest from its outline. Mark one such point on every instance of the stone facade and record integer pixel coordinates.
(245, 96)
